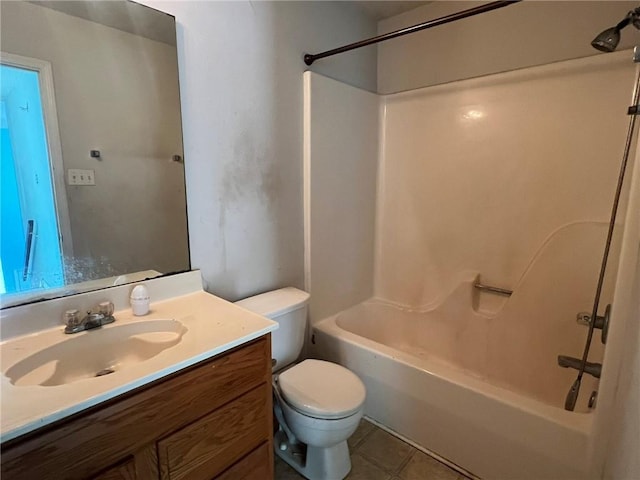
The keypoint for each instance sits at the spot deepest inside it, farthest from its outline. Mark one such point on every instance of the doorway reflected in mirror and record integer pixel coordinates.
(31, 249)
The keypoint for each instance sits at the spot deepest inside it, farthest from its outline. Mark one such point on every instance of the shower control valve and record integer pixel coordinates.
(602, 322)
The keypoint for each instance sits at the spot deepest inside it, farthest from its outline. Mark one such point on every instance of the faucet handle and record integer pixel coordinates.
(106, 308)
(71, 318)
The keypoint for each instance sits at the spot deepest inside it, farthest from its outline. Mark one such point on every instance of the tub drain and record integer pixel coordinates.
(105, 371)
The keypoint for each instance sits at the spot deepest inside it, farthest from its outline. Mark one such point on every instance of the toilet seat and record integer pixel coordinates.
(322, 389)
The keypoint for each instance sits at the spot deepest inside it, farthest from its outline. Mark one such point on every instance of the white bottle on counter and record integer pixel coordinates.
(139, 300)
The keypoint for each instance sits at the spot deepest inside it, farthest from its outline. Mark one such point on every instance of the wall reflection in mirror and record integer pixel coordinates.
(92, 179)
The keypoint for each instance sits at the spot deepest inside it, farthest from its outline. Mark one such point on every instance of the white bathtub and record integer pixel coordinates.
(440, 403)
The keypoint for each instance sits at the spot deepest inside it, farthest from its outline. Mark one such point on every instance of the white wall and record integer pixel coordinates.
(520, 35)
(118, 93)
(341, 156)
(241, 88)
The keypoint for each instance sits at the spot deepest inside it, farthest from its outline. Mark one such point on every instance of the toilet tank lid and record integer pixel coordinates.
(274, 303)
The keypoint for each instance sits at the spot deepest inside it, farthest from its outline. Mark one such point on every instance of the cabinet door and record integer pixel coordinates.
(123, 471)
(257, 465)
(141, 466)
(212, 444)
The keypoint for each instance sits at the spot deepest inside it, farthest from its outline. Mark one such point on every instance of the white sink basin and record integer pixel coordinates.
(88, 354)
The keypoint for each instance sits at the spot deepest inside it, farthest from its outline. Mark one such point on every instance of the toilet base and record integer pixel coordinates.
(314, 463)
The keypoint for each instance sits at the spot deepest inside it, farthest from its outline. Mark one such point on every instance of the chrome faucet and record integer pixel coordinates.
(101, 315)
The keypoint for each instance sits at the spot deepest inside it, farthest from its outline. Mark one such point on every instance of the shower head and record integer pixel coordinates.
(608, 40)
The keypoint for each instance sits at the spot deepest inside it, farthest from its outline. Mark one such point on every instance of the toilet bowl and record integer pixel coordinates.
(320, 432)
(318, 404)
(322, 404)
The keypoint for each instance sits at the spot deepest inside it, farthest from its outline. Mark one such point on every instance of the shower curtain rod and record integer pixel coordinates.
(310, 58)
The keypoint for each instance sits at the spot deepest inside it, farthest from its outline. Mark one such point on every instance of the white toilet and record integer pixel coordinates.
(318, 404)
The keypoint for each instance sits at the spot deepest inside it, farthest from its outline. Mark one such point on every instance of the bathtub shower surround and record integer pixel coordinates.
(341, 143)
(499, 348)
(479, 173)
(506, 180)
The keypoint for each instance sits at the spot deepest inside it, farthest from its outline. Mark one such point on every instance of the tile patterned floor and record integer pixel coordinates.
(378, 455)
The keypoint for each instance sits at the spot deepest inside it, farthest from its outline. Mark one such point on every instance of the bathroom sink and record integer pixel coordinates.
(88, 354)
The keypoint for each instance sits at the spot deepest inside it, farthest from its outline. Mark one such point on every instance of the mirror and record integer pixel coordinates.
(92, 173)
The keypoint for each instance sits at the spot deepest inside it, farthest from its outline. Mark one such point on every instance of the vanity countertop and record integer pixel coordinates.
(212, 324)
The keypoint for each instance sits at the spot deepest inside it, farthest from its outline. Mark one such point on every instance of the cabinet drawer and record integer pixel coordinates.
(258, 465)
(208, 446)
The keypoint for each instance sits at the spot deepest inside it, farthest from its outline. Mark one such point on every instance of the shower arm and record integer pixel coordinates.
(310, 58)
(633, 17)
(633, 111)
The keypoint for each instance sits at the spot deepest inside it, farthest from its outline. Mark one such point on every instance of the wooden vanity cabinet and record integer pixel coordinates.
(211, 420)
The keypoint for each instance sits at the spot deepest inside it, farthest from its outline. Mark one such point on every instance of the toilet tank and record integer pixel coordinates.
(288, 307)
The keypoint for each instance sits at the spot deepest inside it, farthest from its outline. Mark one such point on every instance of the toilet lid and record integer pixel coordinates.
(322, 389)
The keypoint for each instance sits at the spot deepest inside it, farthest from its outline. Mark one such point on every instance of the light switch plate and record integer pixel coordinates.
(76, 176)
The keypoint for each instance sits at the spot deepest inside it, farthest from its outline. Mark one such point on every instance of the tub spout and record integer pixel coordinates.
(594, 369)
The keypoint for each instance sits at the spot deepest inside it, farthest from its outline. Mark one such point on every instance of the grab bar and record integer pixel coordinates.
(488, 288)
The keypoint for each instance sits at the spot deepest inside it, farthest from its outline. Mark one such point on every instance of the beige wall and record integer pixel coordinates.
(341, 156)
(241, 84)
(521, 35)
(118, 93)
